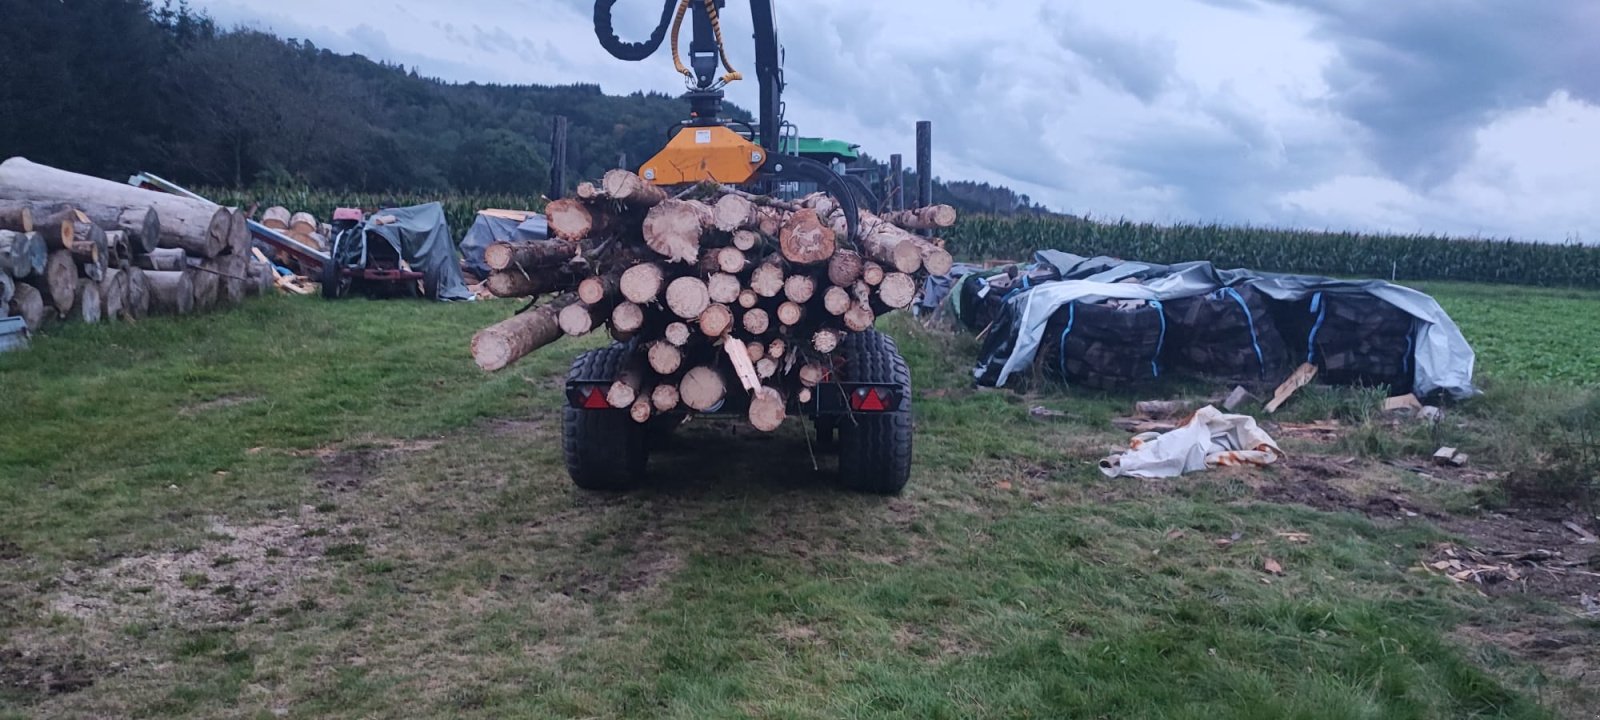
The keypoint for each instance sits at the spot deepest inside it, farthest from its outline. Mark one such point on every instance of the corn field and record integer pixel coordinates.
(1402, 257)
(459, 208)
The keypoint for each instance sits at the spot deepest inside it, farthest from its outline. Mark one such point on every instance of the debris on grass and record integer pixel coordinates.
(1272, 566)
(1407, 403)
(1208, 439)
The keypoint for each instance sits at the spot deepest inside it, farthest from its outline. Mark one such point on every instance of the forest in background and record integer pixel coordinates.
(163, 88)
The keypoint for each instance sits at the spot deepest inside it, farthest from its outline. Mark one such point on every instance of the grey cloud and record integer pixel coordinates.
(1422, 76)
(1142, 67)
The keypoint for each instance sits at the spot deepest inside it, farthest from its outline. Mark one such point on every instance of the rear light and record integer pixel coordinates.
(870, 399)
(593, 398)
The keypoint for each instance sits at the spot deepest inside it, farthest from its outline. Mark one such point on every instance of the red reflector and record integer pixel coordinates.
(867, 400)
(594, 399)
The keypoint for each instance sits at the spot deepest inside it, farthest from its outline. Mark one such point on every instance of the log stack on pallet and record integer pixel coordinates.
(719, 291)
(78, 247)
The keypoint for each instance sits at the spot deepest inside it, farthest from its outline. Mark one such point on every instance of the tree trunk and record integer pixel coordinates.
(276, 217)
(734, 212)
(17, 217)
(59, 281)
(571, 220)
(516, 283)
(580, 318)
(836, 300)
(891, 245)
(114, 294)
(931, 217)
(138, 302)
(673, 229)
(799, 288)
(702, 388)
(806, 239)
(767, 279)
(723, 288)
(206, 285)
(687, 297)
(716, 320)
(163, 259)
(642, 283)
(627, 317)
(767, 409)
(87, 305)
(529, 256)
(171, 291)
(665, 358)
(509, 340)
(897, 290)
(664, 397)
(630, 189)
(28, 304)
(143, 224)
(197, 226)
(598, 289)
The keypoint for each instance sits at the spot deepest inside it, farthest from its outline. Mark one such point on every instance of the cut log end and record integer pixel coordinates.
(767, 409)
(702, 389)
(687, 297)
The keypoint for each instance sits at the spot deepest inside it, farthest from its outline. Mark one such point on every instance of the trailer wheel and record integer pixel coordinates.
(332, 280)
(875, 448)
(605, 449)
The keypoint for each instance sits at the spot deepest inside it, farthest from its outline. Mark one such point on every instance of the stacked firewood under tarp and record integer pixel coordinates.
(718, 290)
(78, 247)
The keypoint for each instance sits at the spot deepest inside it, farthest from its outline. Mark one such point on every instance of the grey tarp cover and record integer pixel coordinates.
(489, 229)
(1444, 360)
(421, 235)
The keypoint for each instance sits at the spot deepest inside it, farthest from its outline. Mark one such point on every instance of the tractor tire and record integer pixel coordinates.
(875, 448)
(605, 449)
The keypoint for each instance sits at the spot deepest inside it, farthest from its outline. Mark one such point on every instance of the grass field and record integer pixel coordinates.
(323, 509)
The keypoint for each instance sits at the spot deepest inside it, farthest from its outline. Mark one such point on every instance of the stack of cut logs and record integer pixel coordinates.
(716, 288)
(78, 247)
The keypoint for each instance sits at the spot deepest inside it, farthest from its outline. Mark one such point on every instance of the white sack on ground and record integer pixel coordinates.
(1209, 439)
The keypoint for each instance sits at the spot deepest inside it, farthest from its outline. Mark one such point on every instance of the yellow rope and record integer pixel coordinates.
(677, 25)
(722, 50)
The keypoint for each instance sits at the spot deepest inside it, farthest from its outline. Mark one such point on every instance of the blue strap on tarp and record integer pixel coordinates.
(1155, 360)
(1249, 318)
(1061, 357)
(1321, 311)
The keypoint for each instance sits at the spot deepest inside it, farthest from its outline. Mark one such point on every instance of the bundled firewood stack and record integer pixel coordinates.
(78, 247)
(718, 290)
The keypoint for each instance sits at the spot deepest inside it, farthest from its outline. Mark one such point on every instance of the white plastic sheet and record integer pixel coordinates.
(1211, 438)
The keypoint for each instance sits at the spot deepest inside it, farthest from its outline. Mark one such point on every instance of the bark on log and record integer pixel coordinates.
(723, 288)
(8, 290)
(22, 254)
(805, 239)
(56, 223)
(767, 279)
(673, 229)
(935, 260)
(734, 212)
(627, 317)
(516, 283)
(86, 306)
(642, 283)
(716, 320)
(678, 333)
(114, 295)
(162, 259)
(799, 288)
(28, 304)
(195, 225)
(59, 281)
(206, 285)
(231, 278)
(665, 358)
(932, 217)
(844, 268)
(538, 254)
(91, 248)
(687, 297)
(836, 300)
(630, 189)
(767, 410)
(756, 321)
(509, 340)
(898, 290)
(569, 219)
(138, 303)
(276, 217)
(664, 398)
(143, 224)
(171, 291)
(702, 388)
(118, 252)
(599, 289)
(16, 217)
(892, 246)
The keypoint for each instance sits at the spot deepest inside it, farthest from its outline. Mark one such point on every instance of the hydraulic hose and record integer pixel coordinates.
(632, 52)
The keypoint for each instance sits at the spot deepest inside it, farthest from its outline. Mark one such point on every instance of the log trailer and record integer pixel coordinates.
(862, 405)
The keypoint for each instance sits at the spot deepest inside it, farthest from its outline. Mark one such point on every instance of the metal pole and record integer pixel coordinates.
(897, 183)
(558, 158)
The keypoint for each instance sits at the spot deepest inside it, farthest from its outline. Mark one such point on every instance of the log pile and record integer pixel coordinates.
(718, 291)
(81, 248)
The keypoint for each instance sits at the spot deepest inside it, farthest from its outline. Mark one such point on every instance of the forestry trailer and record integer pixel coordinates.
(786, 332)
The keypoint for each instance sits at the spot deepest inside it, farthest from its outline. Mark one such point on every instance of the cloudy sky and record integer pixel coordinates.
(1477, 117)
